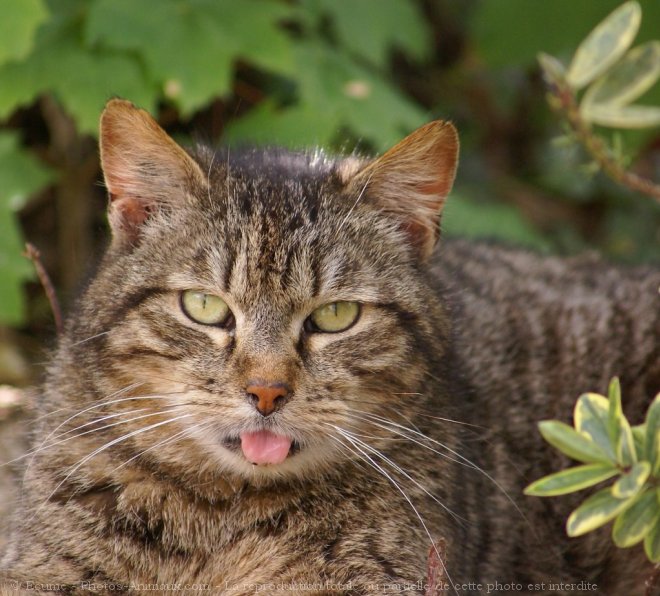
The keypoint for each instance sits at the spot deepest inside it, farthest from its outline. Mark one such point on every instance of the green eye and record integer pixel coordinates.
(206, 309)
(334, 317)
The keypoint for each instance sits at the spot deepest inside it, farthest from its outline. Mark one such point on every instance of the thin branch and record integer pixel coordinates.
(34, 255)
(562, 100)
(652, 583)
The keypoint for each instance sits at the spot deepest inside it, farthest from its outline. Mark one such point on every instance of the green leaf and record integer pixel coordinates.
(639, 439)
(636, 522)
(631, 482)
(296, 127)
(190, 48)
(392, 23)
(83, 82)
(591, 417)
(334, 86)
(81, 79)
(615, 411)
(571, 480)
(623, 117)
(18, 25)
(652, 438)
(570, 442)
(184, 50)
(652, 539)
(20, 176)
(618, 427)
(595, 512)
(552, 68)
(605, 45)
(637, 72)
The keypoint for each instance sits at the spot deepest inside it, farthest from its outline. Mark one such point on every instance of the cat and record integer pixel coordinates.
(280, 381)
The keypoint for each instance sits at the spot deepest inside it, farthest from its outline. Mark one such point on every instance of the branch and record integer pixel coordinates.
(34, 255)
(562, 100)
(652, 581)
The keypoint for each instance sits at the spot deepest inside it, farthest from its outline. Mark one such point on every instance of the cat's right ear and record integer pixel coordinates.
(144, 169)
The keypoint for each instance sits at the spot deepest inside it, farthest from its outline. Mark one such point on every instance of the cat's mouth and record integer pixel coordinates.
(262, 447)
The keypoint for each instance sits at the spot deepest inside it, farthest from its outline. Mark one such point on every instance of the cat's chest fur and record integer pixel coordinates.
(276, 382)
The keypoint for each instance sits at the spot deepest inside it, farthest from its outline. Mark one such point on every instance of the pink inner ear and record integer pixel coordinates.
(128, 214)
(418, 234)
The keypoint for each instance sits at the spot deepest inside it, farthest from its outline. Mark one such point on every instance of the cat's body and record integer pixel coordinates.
(415, 420)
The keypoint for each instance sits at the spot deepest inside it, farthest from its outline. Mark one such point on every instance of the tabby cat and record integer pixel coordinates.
(275, 383)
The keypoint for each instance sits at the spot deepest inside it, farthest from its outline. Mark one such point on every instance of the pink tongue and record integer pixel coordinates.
(265, 447)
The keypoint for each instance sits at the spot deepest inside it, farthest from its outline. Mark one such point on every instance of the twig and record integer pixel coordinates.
(652, 582)
(562, 100)
(34, 255)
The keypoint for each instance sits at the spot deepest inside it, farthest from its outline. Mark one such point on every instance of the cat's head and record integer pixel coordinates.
(266, 305)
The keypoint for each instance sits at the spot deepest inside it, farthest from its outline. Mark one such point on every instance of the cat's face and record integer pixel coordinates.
(263, 305)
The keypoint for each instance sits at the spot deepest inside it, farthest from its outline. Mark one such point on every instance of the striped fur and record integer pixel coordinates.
(430, 400)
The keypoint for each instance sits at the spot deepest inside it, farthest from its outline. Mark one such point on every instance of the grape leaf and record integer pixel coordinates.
(391, 23)
(18, 25)
(190, 47)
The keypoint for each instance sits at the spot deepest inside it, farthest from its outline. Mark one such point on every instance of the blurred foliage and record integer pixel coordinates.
(343, 74)
(598, 87)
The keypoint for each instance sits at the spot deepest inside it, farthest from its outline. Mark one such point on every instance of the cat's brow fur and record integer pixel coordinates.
(475, 333)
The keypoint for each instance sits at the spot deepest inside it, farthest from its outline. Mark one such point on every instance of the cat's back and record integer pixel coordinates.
(530, 334)
(547, 328)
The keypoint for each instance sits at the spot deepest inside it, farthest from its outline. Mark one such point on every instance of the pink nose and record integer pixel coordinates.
(267, 397)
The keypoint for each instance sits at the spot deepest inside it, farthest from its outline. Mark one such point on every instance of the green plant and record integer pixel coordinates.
(609, 447)
(609, 77)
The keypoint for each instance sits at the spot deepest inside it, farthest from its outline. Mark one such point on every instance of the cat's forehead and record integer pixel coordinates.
(276, 184)
(282, 224)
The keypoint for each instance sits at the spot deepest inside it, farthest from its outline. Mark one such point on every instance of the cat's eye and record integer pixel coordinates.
(334, 317)
(206, 309)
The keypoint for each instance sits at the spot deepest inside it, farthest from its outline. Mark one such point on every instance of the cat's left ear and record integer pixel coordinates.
(412, 181)
(144, 169)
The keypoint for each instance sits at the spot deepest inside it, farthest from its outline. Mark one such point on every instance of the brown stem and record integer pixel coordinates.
(653, 582)
(75, 157)
(34, 255)
(562, 100)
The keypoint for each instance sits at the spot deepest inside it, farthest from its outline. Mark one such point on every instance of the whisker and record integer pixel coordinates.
(119, 392)
(100, 405)
(82, 341)
(94, 430)
(347, 451)
(413, 440)
(457, 454)
(462, 423)
(380, 469)
(348, 215)
(95, 421)
(399, 469)
(94, 453)
(181, 434)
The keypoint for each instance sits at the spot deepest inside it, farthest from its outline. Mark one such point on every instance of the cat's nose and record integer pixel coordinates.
(267, 397)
